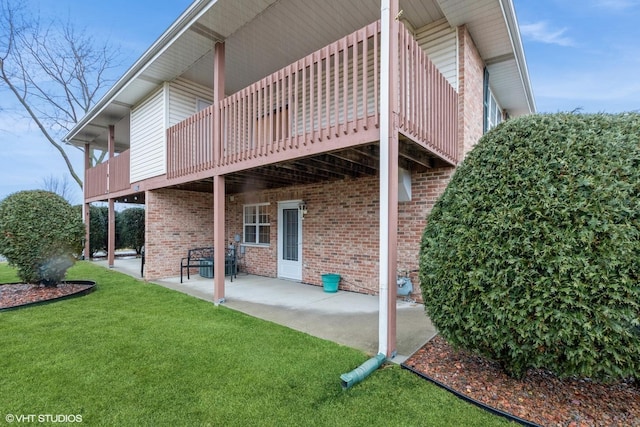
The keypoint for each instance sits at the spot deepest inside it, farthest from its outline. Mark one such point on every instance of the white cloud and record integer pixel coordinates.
(541, 32)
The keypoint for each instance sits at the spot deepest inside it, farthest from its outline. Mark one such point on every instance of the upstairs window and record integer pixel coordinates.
(257, 227)
(492, 110)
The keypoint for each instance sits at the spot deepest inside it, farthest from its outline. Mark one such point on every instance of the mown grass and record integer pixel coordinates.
(133, 353)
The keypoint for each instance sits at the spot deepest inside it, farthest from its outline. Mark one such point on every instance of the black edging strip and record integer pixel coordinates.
(471, 400)
(91, 288)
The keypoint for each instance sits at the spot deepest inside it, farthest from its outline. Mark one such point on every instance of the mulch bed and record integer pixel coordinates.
(18, 294)
(540, 398)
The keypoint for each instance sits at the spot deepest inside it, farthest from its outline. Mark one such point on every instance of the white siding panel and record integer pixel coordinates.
(439, 41)
(148, 137)
(183, 96)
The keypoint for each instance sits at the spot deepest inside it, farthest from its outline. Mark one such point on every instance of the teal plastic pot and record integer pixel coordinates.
(330, 282)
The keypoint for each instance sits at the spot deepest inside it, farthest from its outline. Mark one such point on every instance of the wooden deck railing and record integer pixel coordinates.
(330, 94)
(310, 101)
(190, 146)
(428, 103)
(108, 177)
(307, 107)
(119, 172)
(95, 180)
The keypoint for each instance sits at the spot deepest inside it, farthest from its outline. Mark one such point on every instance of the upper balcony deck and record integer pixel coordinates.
(108, 177)
(322, 103)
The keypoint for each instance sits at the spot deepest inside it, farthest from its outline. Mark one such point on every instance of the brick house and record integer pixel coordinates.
(314, 136)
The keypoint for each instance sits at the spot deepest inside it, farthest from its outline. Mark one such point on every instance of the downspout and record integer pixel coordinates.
(360, 373)
(385, 117)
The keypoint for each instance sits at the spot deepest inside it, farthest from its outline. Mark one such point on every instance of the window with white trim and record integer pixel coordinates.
(257, 227)
(492, 110)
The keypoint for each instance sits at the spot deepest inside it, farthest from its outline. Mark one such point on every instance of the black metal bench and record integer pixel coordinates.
(203, 258)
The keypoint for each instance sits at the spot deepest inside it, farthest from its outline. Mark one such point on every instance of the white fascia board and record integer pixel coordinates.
(513, 29)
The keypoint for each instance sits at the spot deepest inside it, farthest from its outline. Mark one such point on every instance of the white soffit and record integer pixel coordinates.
(493, 27)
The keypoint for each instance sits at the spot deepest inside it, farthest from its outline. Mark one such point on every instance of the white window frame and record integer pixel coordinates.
(494, 112)
(257, 223)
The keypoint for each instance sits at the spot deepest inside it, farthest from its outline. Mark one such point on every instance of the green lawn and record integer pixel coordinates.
(132, 353)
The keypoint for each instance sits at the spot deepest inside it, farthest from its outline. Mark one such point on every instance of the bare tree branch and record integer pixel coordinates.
(60, 186)
(55, 72)
(40, 125)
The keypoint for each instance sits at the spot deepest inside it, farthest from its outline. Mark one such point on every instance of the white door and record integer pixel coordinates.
(289, 240)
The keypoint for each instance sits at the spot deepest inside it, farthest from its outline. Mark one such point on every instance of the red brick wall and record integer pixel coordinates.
(470, 92)
(340, 229)
(412, 219)
(339, 232)
(175, 221)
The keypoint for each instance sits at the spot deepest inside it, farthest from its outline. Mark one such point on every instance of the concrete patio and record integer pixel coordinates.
(347, 318)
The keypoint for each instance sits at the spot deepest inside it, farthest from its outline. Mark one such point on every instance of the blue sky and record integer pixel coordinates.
(581, 55)
(27, 158)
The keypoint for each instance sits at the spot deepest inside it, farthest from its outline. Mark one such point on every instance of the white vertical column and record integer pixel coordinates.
(388, 177)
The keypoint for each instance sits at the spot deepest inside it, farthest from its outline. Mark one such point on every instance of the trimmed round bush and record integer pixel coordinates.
(40, 232)
(531, 257)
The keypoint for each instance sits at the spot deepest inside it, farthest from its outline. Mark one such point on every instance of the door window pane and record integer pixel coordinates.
(290, 234)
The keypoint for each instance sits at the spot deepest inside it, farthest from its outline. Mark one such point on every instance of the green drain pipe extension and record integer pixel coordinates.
(363, 371)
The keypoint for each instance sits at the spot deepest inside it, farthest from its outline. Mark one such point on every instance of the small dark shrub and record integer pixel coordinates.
(39, 234)
(532, 255)
(98, 226)
(131, 228)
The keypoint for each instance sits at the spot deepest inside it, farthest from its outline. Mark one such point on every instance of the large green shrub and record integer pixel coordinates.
(40, 233)
(531, 257)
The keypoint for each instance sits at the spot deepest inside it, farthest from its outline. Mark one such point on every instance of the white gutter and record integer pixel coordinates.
(383, 319)
(513, 29)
